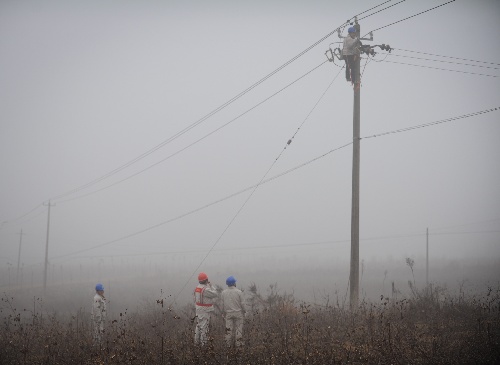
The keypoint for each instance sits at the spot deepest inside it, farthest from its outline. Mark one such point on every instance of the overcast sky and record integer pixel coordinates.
(93, 96)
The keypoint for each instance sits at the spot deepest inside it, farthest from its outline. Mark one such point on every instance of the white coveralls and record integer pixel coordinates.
(234, 310)
(350, 52)
(204, 296)
(98, 317)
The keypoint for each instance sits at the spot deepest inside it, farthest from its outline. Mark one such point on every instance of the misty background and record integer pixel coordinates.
(158, 133)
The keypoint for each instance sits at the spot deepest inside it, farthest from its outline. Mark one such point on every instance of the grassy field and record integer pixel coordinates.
(426, 329)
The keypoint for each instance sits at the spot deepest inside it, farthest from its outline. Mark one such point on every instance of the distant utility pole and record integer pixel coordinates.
(427, 261)
(46, 250)
(19, 256)
(355, 72)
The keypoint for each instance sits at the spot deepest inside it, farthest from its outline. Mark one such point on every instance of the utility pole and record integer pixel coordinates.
(427, 261)
(356, 74)
(354, 274)
(46, 250)
(19, 256)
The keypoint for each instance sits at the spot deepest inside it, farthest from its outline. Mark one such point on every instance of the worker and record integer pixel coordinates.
(98, 314)
(233, 309)
(204, 297)
(350, 53)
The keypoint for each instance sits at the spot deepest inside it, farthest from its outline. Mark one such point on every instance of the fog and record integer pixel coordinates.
(171, 138)
(135, 285)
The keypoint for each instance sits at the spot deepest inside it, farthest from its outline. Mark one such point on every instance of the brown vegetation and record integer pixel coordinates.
(421, 330)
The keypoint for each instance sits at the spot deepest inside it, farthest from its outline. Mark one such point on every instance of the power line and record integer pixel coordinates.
(436, 55)
(366, 11)
(203, 207)
(469, 224)
(310, 112)
(200, 139)
(441, 69)
(199, 121)
(433, 123)
(255, 188)
(249, 248)
(442, 61)
(463, 232)
(399, 2)
(179, 151)
(342, 27)
(412, 16)
(216, 110)
(6, 223)
(288, 245)
(18, 221)
(271, 179)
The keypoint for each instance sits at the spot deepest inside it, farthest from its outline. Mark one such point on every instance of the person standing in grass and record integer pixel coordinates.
(98, 314)
(233, 309)
(204, 297)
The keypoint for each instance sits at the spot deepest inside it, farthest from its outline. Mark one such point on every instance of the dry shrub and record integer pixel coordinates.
(420, 330)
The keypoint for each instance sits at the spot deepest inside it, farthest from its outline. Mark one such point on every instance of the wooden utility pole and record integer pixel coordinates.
(427, 261)
(355, 77)
(354, 274)
(46, 250)
(19, 256)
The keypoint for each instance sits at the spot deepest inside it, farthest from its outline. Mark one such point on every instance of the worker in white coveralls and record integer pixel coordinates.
(98, 313)
(233, 309)
(204, 297)
(350, 53)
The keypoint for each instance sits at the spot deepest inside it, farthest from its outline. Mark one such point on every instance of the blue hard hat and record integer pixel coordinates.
(351, 30)
(99, 287)
(230, 281)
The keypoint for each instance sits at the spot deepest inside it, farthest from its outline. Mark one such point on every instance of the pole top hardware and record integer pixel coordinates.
(368, 39)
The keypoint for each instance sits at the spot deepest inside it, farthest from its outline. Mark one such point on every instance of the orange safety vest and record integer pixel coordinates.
(200, 291)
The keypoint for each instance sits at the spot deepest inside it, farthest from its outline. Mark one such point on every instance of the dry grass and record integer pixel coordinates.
(420, 330)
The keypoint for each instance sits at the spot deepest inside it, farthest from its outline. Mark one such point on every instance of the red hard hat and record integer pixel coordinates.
(202, 276)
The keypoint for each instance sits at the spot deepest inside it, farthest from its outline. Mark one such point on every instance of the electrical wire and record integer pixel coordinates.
(469, 232)
(433, 123)
(261, 247)
(398, 20)
(253, 190)
(200, 139)
(378, 11)
(439, 68)
(342, 27)
(412, 16)
(203, 207)
(178, 134)
(366, 11)
(456, 58)
(364, 137)
(442, 61)
(368, 59)
(309, 114)
(469, 224)
(5, 224)
(19, 221)
(274, 177)
(271, 246)
(216, 110)
(264, 181)
(213, 112)
(373, 58)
